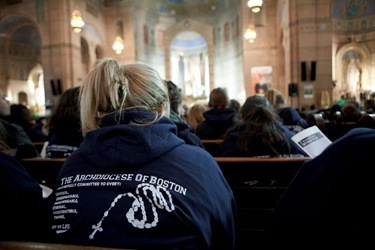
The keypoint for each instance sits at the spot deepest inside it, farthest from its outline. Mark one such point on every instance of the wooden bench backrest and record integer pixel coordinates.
(20, 245)
(257, 183)
(43, 170)
(211, 145)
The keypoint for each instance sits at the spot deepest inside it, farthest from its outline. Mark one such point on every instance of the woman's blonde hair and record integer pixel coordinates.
(195, 115)
(111, 88)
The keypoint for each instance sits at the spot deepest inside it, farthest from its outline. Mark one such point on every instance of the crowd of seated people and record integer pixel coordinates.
(261, 127)
(21, 115)
(18, 141)
(260, 134)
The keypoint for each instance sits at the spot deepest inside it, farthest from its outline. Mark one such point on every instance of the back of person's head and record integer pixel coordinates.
(252, 102)
(350, 111)
(174, 93)
(334, 108)
(262, 125)
(19, 114)
(275, 97)
(236, 105)
(369, 105)
(111, 88)
(260, 89)
(67, 107)
(195, 114)
(218, 99)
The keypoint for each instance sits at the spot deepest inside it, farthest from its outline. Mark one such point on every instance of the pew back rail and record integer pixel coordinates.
(257, 183)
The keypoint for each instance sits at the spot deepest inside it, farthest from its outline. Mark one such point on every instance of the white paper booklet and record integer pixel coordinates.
(312, 141)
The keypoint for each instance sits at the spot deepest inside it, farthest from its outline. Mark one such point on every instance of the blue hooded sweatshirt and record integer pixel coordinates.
(142, 187)
(330, 200)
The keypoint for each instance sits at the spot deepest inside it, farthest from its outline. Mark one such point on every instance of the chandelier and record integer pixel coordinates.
(77, 21)
(250, 34)
(255, 5)
(118, 45)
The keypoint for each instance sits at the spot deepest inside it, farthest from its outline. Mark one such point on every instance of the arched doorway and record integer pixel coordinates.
(189, 64)
(21, 74)
(353, 72)
(203, 71)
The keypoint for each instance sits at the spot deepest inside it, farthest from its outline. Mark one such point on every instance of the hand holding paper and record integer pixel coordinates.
(312, 141)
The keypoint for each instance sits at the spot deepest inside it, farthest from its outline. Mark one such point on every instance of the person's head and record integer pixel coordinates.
(236, 105)
(174, 93)
(260, 89)
(20, 114)
(369, 105)
(252, 102)
(261, 128)
(350, 111)
(195, 114)
(111, 88)
(4, 105)
(67, 107)
(275, 97)
(218, 99)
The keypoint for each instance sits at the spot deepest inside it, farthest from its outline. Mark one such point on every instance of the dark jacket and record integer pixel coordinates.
(216, 123)
(185, 132)
(23, 210)
(329, 201)
(135, 187)
(64, 139)
(292, 120)
(18, 141)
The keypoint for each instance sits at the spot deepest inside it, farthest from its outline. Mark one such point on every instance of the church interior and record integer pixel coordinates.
(315, 52)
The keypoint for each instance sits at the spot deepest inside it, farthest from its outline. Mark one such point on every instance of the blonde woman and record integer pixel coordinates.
(195, 115)
(133, 183)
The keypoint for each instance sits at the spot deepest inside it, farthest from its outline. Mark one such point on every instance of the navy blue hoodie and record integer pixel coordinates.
(216, 123)
(23, 210)
(330, 200)
(142, 187)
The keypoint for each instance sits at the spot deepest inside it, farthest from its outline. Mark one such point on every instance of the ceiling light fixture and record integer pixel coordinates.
(77, 21)
(250, 34)
(255, 5)
(118, 45)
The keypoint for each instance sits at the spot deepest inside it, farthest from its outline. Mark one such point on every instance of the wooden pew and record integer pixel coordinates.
(43, 170)
(257, 183)
(25, 245)
(211, 145)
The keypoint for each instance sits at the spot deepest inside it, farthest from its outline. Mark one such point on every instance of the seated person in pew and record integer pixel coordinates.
(23, 209)
(260, 134)
(21, 115)
(329, 202)
(17, 139)
(65, 135)
(184, 130)
(289, 115)
(218, 118)
(134, 183)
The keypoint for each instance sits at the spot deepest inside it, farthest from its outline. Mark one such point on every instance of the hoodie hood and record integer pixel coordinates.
(117, 143)
(220, 115)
